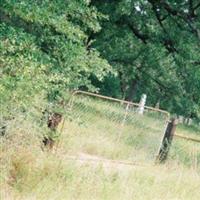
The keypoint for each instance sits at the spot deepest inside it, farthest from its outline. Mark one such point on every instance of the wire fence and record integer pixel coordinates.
(112, 128)
(185, 150)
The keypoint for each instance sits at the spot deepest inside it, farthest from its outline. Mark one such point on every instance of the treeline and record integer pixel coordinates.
(154, 48)
(119, 48)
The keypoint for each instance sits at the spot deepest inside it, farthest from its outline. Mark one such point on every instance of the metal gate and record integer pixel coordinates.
(112, 129)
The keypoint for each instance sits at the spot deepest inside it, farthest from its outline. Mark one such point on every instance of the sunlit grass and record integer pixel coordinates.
(47, 177)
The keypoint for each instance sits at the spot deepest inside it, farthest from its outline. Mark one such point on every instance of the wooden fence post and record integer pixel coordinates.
(166, 142)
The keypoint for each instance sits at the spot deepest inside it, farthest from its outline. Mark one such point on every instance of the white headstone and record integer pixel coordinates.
(157, 105)
(142, 104)
(189, 121)
(180, 119)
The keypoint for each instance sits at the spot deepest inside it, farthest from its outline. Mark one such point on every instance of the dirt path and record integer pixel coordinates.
(83, 158)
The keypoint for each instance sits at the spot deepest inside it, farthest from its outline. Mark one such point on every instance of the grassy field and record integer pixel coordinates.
(99, 132)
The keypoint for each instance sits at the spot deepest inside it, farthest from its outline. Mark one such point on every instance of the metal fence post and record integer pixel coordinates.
(166, 142)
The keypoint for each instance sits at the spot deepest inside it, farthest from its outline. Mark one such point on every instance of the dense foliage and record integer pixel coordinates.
(123, 47)
(154, 47)
(44, 50)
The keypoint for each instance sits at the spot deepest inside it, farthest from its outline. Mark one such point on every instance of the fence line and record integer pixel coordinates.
(113, 129)
(121, 101)
(136, 104)
(187, 138)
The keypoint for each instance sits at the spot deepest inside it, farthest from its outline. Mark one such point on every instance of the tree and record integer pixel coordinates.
(154, 47)
(44, 51)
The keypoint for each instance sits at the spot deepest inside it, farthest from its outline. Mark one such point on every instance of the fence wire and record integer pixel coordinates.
(112, 128)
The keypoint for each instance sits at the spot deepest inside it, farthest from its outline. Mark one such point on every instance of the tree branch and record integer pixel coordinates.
(138, 34)
(197, 6)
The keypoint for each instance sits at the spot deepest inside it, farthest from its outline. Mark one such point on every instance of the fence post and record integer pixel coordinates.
(166, 142)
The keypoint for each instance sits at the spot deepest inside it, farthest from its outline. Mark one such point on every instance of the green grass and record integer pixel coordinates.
(92, 130)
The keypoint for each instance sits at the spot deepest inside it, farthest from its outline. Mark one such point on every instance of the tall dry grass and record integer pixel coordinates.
(29, 173)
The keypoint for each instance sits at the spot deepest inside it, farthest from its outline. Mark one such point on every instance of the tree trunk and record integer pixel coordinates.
(122, 86)
(132, 90)
(53, 121)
